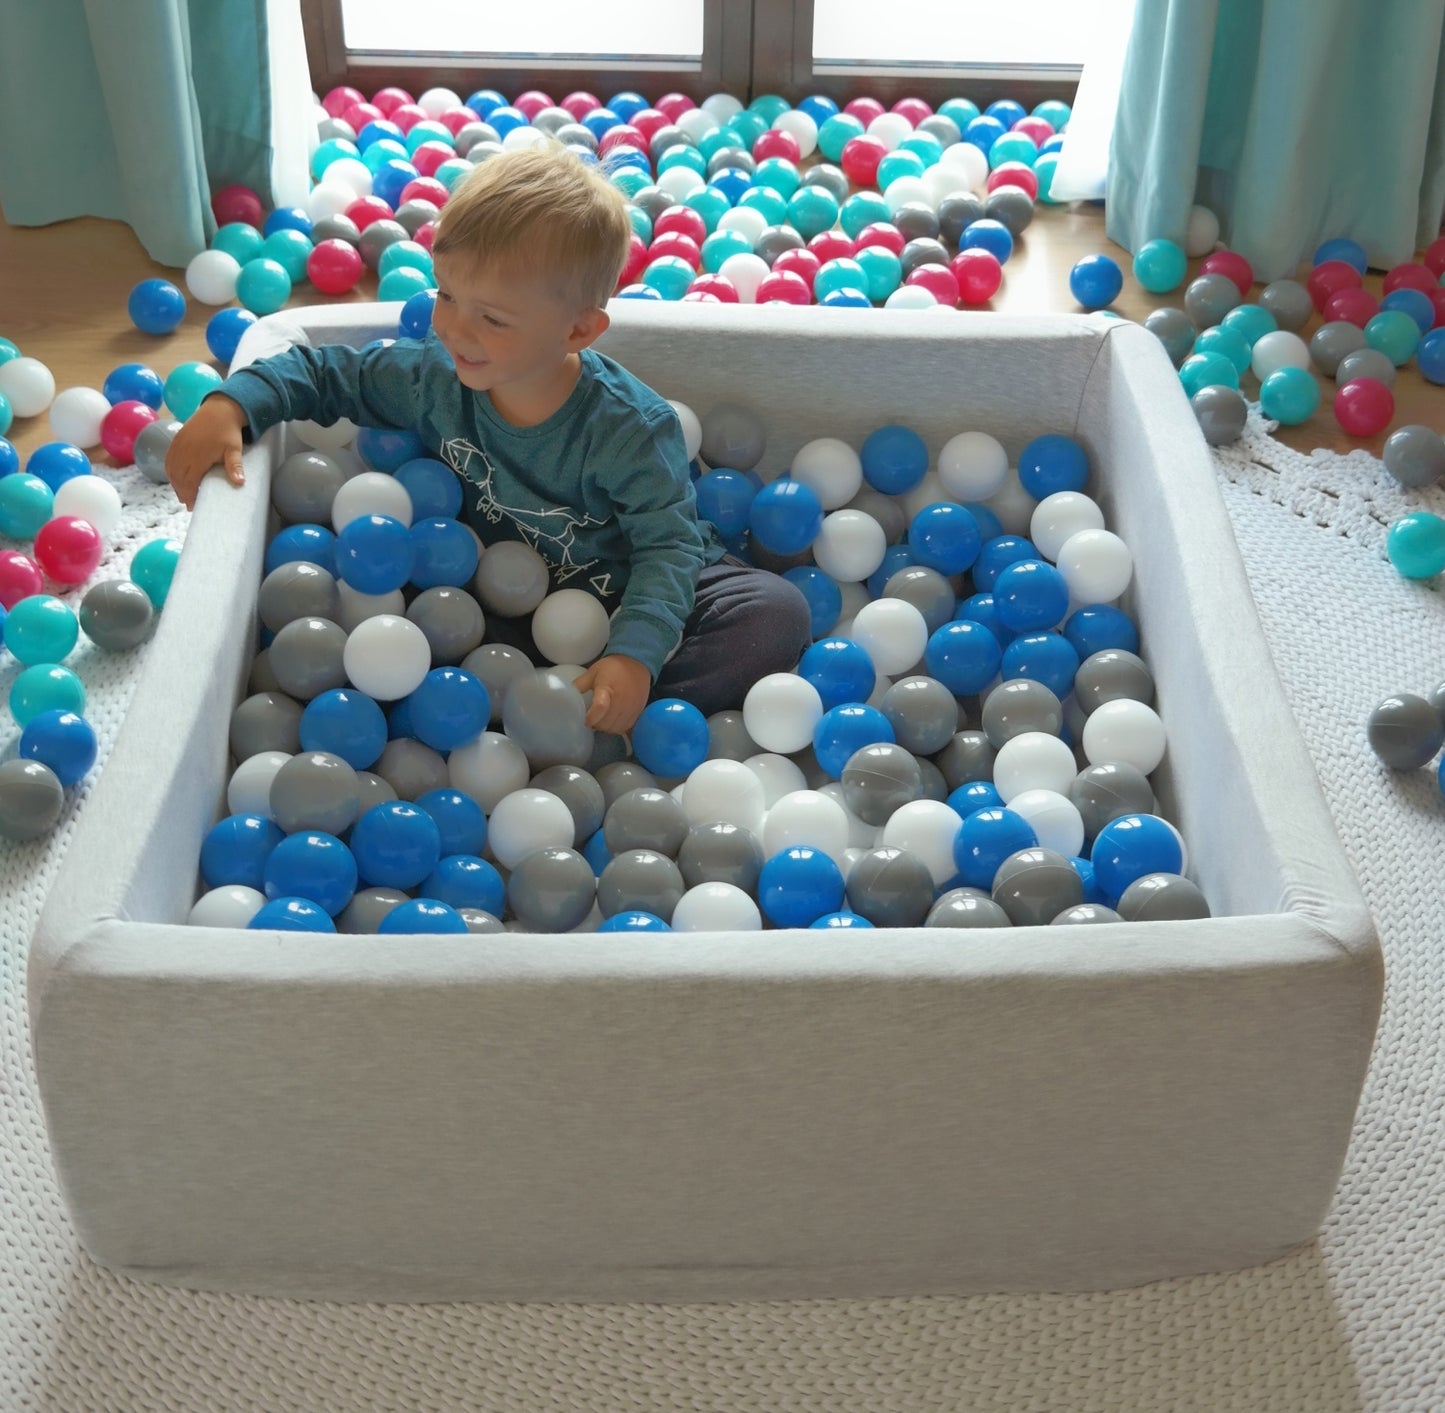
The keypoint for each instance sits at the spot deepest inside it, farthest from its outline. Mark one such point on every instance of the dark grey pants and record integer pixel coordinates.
(745, 623)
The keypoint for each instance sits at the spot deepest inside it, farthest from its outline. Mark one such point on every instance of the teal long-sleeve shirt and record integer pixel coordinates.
(600, 489)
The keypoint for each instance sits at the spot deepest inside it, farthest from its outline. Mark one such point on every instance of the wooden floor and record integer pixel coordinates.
(63, 291)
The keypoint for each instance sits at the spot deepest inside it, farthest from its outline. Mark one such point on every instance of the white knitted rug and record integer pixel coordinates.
(1353, 1322)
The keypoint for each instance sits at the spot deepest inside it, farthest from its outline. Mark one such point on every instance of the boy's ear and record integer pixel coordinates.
(588, 327)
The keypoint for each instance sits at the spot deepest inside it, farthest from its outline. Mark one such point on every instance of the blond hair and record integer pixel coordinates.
(545, 209)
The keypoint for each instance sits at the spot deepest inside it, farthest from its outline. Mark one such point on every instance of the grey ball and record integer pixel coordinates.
(480, 921)
(337, 227)
(890, 887)
(618, 777)
(764, 558)
(720, 853)
(1333, 341)
(297, 590)
(1033, 886)
(724, 157)
(261, 678)
(664, 139)
(1405, 731)
(640, 879)
(1020, 705)
(775, 240)
(607, 749)
(1086, 914)
(966, 907)
(315, 790)
(645, 818)
(956, 213)
(1175, 330)
(31, 799)
(880, 778)
(653, 200)
(416, 213)
(412, 768)
(1111, 675)
(1162, 897)
(922, 712)
(575, 135)
(496, 666)
(916, 220)
(941, 126)
(830, 178)
(1289, 302)
(551, 890)
(1366, 363)
(551, 120)
(116, 614)
(968, 756)
(886, 510)
(151, 447)
(545, 715)
(307, 657)
(368, 907)
(1221, 413)
(1104, 792)
(1413, 455)
(579, 791)
(932, 785)
(266, 721)
(329, 128)
(373, 790)
(732, 436)
(927, 590)
(511, 579)
(452, 622)
(1010, 206)
(377, 238)
(469, 134)
(483, 151)
(727, 737)
(305, 486)
(922, 251)
(1208, 298)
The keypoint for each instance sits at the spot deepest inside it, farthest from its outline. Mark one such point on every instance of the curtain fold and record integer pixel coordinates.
(133, 111)
(1293, 120)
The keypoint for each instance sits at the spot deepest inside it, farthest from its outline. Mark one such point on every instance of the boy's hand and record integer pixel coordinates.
(210, 437)
(620, 687)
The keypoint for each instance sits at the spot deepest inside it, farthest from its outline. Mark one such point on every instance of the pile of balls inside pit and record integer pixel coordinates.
(967, 742)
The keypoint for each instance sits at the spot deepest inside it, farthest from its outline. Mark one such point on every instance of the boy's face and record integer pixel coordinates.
(507, 332)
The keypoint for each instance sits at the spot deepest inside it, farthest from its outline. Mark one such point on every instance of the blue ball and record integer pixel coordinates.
(375, 131)
(724, 497)
(638, 291)
(1342, 248)
(56, 463)
(291, 915)
(375, 554)
(1031, 595)
(1006, 110)
(9, 458)
(1053, 463)
(963, 655)
(627, 104)
(303, 543)
(982, 608)
(983, 131)
(944, 536)
(62, 740)
(386, 448)
(388, 180)
(785, 517)
(633, 921)
(670, 738)
(1129, 847)
(156, 307)
(1430, 356)
(1085, 870)
(466, 881)
(134, 382)
(895, 459)
(972, 796)
(485, 101)
(1095, 281)
(597, 854)
(449, 708)
(840, 922)
(423, 915)
(414, 322)
(846, 298)
(312, 865)
(1416, 303)
(346, 723)
(459, 820)
(506, 119)
(235, 850)
(842, 730)
(989, 525)
(984, 840)
(1097, 626)
(798, 885)
(730, 183)
(819, 107)
(396, 844)
(224, 331)
(288, 218)
(990, 235)
(444, 553)
(825, 598)
(599, 121)
(996, 555)
(1049, 658)
(435, 489)
(895, 557)
(398, 721)
(840, 670)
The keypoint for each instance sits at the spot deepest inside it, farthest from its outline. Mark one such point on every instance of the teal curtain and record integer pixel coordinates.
(1292, 120)
(133, 110)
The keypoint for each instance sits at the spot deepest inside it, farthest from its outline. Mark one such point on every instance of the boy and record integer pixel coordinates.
(558, 445)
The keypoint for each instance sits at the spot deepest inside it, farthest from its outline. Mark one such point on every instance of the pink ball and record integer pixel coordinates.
(719, 287)
(389, 99)
(359, 114)
(938, 280)
(334, 266)
(1437, 298)
(366, 209)
(20, 577)
(1018, 174)
(1354, 306)
(674, 105)
(636, 260)
(860, 159)
(68, 549)
(238, 203)
(1364, 406)
(338, 100)
(581, 103)
(647, 121)
(455, 119)
(1434, 257)
(430, 155)
(864, 109)
(407, 115)
(699, 296)
(530, 103)
(682, 220)
(1410, 275)
(802, 263)
(978, 274)
(621, 135)
(832, 245)
(1039, 130)
(424, 189)
(777, 143)
(783, 287)
(122, 425)
(1233, 265)
(914, 109)
(883, 233)
(675, 243)
(1329, 277)
(426, 235)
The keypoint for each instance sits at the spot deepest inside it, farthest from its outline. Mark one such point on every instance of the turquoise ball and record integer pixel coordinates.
(240, 241)
(427, 131)
(45, 687)
(641, 223)
(629, 180)
(41, 629)
(669, 275)
(452, 171)
(1250, 321)
(1289, 395)
(768, 106)
(152, 568)
(263, 286)
(749, 125)
(863, 208)
(1233, 346)
(187, 386)
(722, 244)
(1159, 265)
(1055, 112)
(711, 205)
(405, 254)
(1415, 545)
(962, 110)
(1044, 171)
(779, 175)
(7, 414)
(1395, 334)
(334, 149)
(290, 250)
(683, 155)
(26, 503)
(924, 146)
(1013, 147)
(898, 163)
(812, 211)
(835, 134)
(839, 274)
(773, 205)
(382, 151)
(401, 283)
(882, 270)
(1204, 370)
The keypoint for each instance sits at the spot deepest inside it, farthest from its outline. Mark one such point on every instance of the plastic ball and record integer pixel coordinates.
(187, 386)
(1129, 847)
(1160, 266)
(157, 306)
(1393, 333)
(27, 385)
(799, 885)
(1126, 732)
(1096, 564)
(76, 415)
(387, 657)
(211, 277)
(62, 740)
(1413, 455)
(1202, 231)
(121, 426)
(153, 566)
(26, 503)
(1363, 407)
(68, 549)
(40, 629)
(892, 632)
(395, 845)
(1415, 545)
(1289, 395)
(1095, 281)
(20, 576)
(1405, 731)
(785, 516)
(263, 286)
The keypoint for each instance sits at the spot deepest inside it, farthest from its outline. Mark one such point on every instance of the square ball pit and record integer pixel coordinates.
(776, 1115)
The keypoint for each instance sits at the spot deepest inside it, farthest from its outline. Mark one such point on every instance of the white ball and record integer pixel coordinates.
(211, 277)
(861, 834)
(746, 272)
(721, 106)
(806, 818)
(350, 172)
(831, 468)
(1013, 505)
(943, 182)
(570, 625)
(801, 127)
(696, 123)
(356, 607)
(328, 198)
(386, 657)
(320, 438)
(680, 182)
(1202, 232)
(520, 139)
(724, 790)
(691, 428)
(902, 190)
(1059, 516)
(76, 415)
(527, 820)
(28, 384)
(781, 710)
(1096, 565)
(884, 509)
(850, 546)
(231, 905)
(892, 632)
(1055, 819)
(92, 498)
(1033, 760)
(1124, 731)
(746, 220)
(972, 465)
(929, 491)
(370, 493)
(249, 789)
(488, 769)
(435, 101)
(926, 828)
(716, 907)
(890, 129)
(1278, 349)
(778, 775)
(968, 162)
(911, 297)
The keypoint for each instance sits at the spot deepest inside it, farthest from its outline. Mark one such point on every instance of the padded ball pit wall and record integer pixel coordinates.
(773, 1115)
